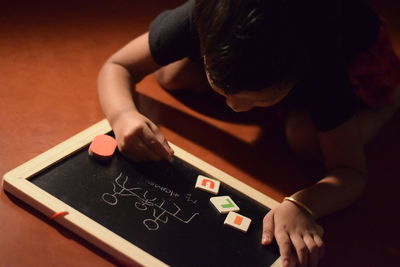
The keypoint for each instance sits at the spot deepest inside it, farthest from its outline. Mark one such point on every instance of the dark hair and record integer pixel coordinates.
(252, 44)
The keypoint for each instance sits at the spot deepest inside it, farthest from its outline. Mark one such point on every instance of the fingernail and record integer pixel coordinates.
(265, 240)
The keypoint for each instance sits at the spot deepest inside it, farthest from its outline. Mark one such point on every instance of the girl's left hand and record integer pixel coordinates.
(296, 233)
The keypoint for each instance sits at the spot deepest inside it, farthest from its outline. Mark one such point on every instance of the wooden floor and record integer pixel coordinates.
(50, 54)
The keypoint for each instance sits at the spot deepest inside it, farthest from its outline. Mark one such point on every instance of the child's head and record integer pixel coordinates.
(251, 45)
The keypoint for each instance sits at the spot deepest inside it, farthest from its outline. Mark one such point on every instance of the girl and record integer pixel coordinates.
(328, 64)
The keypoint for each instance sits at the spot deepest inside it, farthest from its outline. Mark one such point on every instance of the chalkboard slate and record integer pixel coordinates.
(155, 207)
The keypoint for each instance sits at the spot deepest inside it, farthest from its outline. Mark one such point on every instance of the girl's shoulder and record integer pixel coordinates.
(172, 35)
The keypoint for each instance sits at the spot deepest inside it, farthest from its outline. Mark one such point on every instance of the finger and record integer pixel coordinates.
(160, 137)
(163, 140)
(285, 247)
(293, 260)
(139, 151)
(313, 250)
(301, 249)
(268, 228)
(146, 153)
(153, 143)
(320, 244)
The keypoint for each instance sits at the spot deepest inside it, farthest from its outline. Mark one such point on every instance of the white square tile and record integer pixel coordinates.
(207, 184)
(224, 204)
(237, 221)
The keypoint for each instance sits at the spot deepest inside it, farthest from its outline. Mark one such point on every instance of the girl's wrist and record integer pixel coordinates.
(300, 205)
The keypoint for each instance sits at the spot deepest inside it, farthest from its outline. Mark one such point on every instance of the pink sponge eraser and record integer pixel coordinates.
(103, 147)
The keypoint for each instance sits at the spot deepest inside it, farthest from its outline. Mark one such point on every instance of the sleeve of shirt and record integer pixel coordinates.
(172, 35)
(327, 94)
(330, 99)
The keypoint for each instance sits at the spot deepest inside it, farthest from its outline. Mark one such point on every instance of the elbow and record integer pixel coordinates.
(113, 67)
(105, 71)
(357, 179)
(361, 183)
(360, 179)
(352, 181)
(115, 71)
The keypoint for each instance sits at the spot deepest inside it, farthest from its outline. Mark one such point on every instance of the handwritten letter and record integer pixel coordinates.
(143, 202)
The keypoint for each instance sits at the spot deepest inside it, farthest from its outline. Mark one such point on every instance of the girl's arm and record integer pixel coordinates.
(293, 227)
(346, 171)
(137, 137)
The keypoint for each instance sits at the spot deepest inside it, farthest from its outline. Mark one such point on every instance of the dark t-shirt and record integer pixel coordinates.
(327, 94)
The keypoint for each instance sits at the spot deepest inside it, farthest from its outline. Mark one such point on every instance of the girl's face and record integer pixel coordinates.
(246, 100)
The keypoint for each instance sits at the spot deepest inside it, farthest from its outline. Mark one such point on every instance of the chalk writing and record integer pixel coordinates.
(188, 198)
(143, 202)
(164, 189)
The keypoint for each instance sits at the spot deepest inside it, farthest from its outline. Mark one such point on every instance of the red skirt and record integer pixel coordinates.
(375, 73)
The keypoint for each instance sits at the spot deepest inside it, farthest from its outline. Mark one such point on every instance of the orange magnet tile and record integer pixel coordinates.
(237, 221)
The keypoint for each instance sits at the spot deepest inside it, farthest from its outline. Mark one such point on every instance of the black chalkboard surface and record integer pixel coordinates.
(155, 206)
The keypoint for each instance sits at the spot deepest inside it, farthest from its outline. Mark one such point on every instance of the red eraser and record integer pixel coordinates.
(102, 147)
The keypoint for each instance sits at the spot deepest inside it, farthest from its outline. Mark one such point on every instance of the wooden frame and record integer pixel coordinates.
(16, 183)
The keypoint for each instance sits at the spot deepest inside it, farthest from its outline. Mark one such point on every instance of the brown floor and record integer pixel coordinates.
(50, 54)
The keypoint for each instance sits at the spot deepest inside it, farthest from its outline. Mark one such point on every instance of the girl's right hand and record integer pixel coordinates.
(139, 138)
